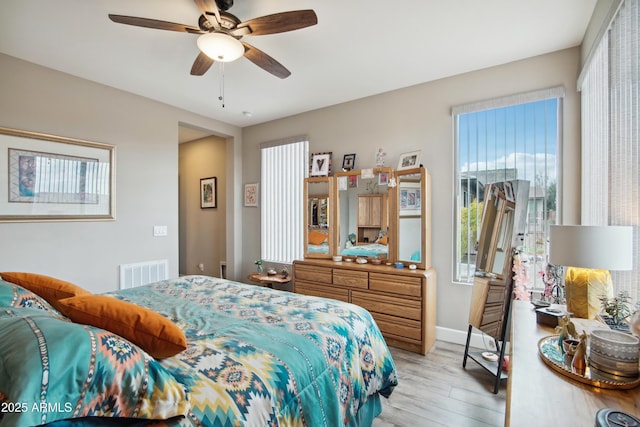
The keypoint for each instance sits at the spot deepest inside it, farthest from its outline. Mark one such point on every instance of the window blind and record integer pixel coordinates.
(284, 165)
(611, 134)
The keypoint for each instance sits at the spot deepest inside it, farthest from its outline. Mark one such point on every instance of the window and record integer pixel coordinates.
(505, 139)
(285, 164)
(610, 97)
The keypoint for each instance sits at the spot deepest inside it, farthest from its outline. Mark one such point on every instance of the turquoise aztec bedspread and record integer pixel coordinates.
(258, 356)
(262, 357)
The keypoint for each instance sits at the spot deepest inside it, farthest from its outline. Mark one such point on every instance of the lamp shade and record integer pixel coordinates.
(220, 47)
(595, 247)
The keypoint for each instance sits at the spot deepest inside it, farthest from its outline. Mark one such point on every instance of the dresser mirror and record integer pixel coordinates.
(411, 207)
(318, 239)
(362, 217)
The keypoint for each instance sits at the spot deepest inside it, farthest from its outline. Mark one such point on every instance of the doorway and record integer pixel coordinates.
(202, 229)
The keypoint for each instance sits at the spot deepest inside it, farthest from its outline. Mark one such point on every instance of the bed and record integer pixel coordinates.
(366, 250)
(251, 356)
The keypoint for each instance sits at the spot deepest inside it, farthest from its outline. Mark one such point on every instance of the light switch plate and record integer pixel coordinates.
(159, 230)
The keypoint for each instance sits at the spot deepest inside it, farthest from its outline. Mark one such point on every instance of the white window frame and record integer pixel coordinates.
(513, 100)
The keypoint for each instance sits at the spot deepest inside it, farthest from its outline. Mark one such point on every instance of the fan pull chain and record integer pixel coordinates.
(221, 96)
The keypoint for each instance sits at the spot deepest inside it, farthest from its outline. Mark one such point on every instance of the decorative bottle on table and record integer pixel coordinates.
(579, 362)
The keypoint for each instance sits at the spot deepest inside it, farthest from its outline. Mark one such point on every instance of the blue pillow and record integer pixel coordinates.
(12, 295)
(56, 369)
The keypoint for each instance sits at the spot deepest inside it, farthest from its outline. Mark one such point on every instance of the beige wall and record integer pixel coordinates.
(202, 231)
(145, 133)
(419, 118)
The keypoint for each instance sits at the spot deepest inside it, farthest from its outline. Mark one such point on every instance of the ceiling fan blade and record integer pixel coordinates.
(201, 65)
(208, 8)
(154, 23)
(277, 23)
(265, 62)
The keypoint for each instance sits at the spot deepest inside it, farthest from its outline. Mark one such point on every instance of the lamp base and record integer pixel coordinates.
(583, 289)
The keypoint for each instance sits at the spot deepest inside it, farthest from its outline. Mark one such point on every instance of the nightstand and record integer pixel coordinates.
(269, 280)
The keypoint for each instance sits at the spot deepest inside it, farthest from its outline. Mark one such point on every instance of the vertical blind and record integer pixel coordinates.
(610, 86)
(284, 164)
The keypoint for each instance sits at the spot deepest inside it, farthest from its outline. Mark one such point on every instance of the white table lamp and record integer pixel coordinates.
(589, 252)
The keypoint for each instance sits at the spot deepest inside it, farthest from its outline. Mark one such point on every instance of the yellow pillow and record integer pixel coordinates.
(49, 288)
(383, 240)
(316, 237)
(151, 331)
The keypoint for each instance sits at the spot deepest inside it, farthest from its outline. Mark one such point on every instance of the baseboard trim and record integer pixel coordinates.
(478, 339)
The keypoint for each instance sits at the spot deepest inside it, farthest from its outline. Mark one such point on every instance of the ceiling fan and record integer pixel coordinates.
(221, 33)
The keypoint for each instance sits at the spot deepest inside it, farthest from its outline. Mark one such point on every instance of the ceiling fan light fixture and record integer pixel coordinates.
(220, 47)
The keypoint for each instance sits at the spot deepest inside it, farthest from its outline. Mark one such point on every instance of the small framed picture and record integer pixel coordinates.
(409, 160)
(208, 193)
(353, 181)
(383, 178)
(251, 195)
(348, 162)
(320, 164)
(410, 201)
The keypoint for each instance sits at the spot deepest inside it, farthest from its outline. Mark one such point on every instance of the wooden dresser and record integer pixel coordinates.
(402, 301)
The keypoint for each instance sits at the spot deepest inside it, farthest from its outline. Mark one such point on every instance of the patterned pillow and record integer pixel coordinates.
(55, 369)
(12, 295)
(49, 288)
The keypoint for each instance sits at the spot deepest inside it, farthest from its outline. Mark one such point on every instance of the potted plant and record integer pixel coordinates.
(259, 262)
(616, 310)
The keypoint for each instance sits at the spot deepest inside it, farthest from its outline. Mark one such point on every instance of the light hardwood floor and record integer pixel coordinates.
(434, 390)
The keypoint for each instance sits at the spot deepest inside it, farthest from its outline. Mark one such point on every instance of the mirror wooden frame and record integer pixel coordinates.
(425, 215)
(331, 229)
(496, 233)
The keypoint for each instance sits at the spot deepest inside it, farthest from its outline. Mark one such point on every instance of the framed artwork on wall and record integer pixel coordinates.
(208, 192)
(348, 162)
(55, 178)
(383, 178)
(409, 160)
(320, 164)
(251, 195)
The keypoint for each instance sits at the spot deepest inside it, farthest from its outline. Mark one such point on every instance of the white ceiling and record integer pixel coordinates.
(358, 48)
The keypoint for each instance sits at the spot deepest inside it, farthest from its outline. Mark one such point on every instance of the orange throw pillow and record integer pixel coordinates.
(316, 237)
(151, 331)
(49, 288)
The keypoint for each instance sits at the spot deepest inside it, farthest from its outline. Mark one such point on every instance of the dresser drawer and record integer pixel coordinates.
(401, 285)
(492, 329)
(385, 304)
(350, 278)
(492, 313)
(398, 326)
(496, 294)
(312, 273)
(313, 289)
